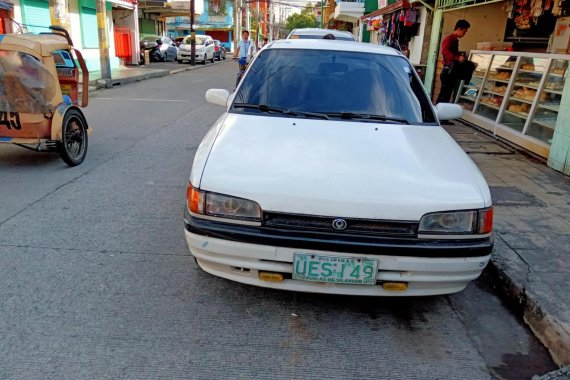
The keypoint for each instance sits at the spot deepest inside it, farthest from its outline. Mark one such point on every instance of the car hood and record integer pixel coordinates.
(342, 168)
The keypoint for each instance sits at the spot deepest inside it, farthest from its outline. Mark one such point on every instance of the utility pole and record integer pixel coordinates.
(258, 26)
(192, 34)
(322, 13)
(103, 42)
(247, 23)
(59, 13)
(236, 26)
(269, 18)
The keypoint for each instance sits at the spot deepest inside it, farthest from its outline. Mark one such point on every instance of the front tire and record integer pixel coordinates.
(73, 145)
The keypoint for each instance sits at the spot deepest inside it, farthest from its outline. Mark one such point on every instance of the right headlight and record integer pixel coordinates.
(222, 206)
(457, 222)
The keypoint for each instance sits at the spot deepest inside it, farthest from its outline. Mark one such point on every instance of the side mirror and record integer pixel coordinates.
(448, 111)
(218, 97)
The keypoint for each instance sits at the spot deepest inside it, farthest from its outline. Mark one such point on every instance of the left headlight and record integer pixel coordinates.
(457, 222)
(222, 206)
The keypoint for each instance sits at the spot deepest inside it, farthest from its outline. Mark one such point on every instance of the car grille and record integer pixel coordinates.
(353, 226)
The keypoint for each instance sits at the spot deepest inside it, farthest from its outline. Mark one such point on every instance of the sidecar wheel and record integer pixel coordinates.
(73, 147)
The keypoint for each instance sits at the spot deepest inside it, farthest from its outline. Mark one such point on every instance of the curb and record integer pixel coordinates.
(513, 276)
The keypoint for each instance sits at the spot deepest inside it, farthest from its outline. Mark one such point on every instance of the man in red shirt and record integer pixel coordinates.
(450, 52)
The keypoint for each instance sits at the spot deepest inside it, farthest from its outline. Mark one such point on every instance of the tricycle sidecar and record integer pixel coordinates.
(39, 94)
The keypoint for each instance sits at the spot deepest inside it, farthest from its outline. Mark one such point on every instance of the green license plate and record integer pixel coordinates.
(342, 270)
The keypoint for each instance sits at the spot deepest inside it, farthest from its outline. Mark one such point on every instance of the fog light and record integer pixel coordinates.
(271, 276)
(395, 286)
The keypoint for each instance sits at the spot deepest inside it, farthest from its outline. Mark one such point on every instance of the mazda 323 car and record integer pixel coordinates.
(329, 172)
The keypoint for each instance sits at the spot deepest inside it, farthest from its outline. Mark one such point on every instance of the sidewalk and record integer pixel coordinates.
(531, 259)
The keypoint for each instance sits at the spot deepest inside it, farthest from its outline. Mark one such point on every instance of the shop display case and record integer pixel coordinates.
(516, 96)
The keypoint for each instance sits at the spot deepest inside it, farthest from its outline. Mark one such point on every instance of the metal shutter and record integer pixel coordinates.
(36, 16)
(89, 29)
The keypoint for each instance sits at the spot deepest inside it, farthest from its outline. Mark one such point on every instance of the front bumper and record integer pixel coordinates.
(427, 271)
(187, 56)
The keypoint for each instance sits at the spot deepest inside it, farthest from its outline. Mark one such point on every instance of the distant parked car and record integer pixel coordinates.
(166, 50)
(204, 49)
(219, 50)
(317, 33)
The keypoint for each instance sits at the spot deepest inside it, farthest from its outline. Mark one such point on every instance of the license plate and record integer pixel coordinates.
(342, 270)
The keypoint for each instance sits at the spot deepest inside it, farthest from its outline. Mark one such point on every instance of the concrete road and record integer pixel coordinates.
(96, 280)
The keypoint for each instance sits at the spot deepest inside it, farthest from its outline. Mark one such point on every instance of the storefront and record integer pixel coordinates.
(518, 91)
(6, 16)
(126, 31)
(35, 15)
(402, 26)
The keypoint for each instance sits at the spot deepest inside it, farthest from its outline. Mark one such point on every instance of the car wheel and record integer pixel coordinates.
(212, 58)
(179, 61)
(73, 145)
(204, 61)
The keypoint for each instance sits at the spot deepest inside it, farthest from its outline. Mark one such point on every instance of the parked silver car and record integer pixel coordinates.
(204, 49)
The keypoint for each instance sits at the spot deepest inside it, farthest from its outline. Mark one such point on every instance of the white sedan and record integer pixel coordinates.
(329, 172)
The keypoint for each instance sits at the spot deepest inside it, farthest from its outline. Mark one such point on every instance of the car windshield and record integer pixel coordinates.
(199, 40)
(336, 84)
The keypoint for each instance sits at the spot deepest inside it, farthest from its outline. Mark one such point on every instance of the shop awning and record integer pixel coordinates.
(6, 5)
(400, 4)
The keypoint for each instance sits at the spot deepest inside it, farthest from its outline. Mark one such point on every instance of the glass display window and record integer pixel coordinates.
(544, 118)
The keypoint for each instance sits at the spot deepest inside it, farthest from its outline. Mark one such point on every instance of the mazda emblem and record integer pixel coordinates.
(339, 224)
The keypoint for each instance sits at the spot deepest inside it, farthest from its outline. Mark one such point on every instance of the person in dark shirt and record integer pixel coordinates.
(450, 52)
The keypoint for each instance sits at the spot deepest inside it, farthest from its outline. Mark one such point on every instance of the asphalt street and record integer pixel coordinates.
(96, 280)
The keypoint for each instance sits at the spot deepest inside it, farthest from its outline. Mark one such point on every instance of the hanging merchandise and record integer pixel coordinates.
(523, 14)
(536, 9)
(557, 8)
(402, 16)
(411, 17)
(548, 5)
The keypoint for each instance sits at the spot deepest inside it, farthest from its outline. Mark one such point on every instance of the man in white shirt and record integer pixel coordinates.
(244, 53)
(245, 48)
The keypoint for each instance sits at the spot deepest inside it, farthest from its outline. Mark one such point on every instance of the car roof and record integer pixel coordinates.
(322, 44)
(320, 32)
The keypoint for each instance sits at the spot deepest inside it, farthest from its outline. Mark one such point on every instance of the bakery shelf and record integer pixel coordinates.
(527, 85)
(520, 100)
(489, 105)
(516, 114)
(531, 71)
(546, 124)
(550, 107)
(494, 93)
(499, 80)
(553, 91)
(556, 75)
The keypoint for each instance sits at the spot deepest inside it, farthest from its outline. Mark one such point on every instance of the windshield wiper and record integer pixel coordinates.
(365, 116)
(266, 108)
